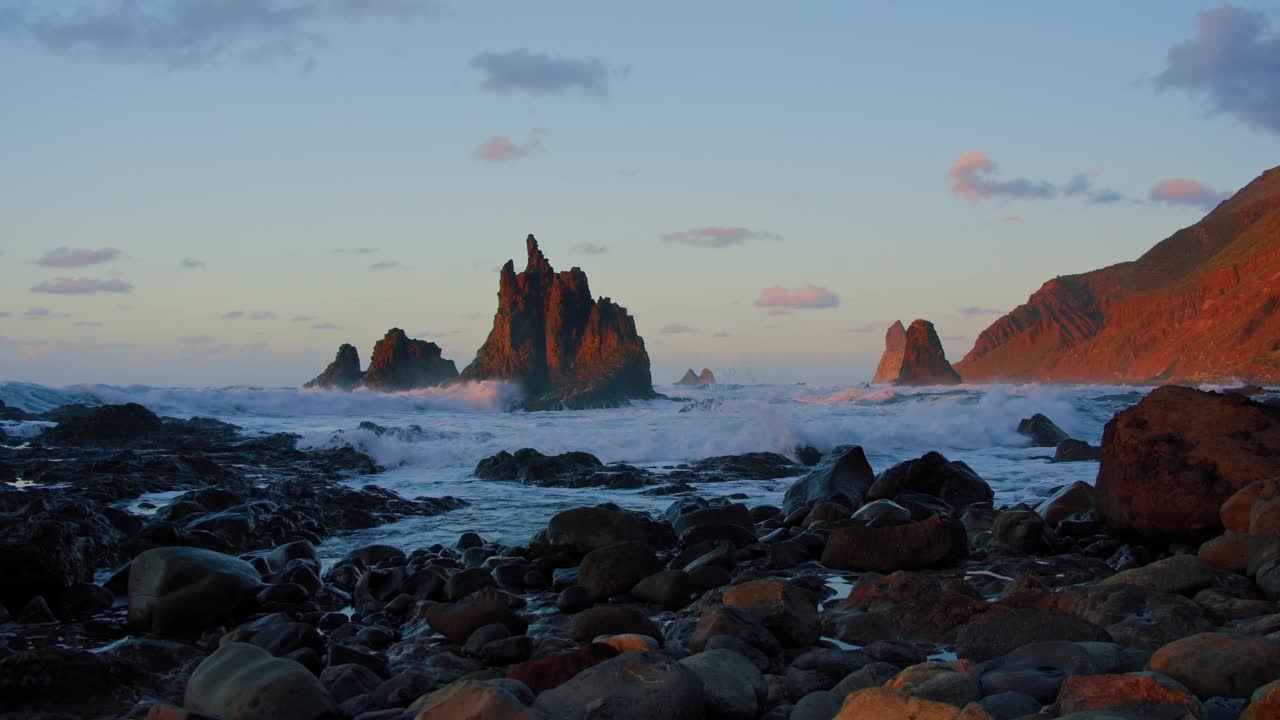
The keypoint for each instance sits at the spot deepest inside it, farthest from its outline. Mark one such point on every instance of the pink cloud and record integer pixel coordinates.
(676, 329)
(1184, 191)
(805, 296)
(714, 236)
(65, 257)
(499, 148)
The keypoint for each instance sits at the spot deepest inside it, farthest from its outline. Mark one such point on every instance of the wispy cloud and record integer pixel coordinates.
(302, 318)
(714, 236)
(587, 248)
(975, 177)
(721, 334)
(1186, 192)
(324, 326)
(976, 310)
(197, 340)
(82, 286)
(65, 257)
(387, 265)
(1009, 219)
(193, 33)
(5, 314)
(192, 263)
(233, 315)
(538, 73)
(355, 251)
(803, 297)
(499, 148)
(1233, 62)
(262, 315)
(44, 313)
(87, 323)
(677, 329)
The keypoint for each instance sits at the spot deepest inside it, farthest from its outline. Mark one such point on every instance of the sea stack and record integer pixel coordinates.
(401, 363)
(921, 361)
(564, 348)
(342, 374)
(706, 377)
(895, 342)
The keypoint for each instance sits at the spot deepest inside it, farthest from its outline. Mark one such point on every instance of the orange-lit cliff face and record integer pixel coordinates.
(1202, 305)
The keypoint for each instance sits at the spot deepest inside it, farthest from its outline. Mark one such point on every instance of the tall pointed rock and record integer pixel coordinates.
(895, 342)
(564, 348)
(401, 363)
(923, 360)
(342, 374)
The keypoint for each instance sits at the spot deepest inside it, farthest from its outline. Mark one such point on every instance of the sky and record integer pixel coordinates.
(220, 192)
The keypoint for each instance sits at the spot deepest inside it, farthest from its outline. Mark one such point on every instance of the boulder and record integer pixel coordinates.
(612, 620)
(1076, 451)
(1264, 704)
(1237, 512)
(631, 686)
(182, 591)
(553, 671)
(784, 609)
(842, 476)
(672, 589)
(1171, 461)
(1074, 499)
(938, 681)
(734, 689)
(932, 474)
(884, 704)
(474, 700)
(1143, 695)
(1220, 664)
(1179, 574)
(934, 542)
(581, 530)
(1042, 431)
(109, 424)
(615, 569)
(996, 634)
(243, 682)
(563, 347)
(456, 621)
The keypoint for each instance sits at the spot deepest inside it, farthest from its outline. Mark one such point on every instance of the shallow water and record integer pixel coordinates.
(437, 437)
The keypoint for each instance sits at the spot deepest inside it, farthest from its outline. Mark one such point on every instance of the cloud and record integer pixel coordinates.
(387, 265)
(874, 326)
(589, 249)
(973, 176)
(677, 329)
(82, 286)
(65, 257)
(1233, 62)
(537, 73)
(181, 34)
(355, 251)
(324, 326)
(262, 315)
(233, 315)
(1186, 192)
(192, 263)
(44, 313)
(87, 323)
(6, 314)
(803, 297)
(302, 318)
(718, 237)
(1009, 219)
(975, 310)
(720, 334)
(197, 340)
(500, 149)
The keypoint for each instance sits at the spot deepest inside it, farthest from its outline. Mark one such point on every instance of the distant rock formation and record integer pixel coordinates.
(914, 356)
(703, 378)
(895, 342)
(565, 349)
(398, 363)
(342, 374)
(1200, 306)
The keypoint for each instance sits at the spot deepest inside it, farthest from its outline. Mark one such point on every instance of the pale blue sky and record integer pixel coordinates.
(258, 144)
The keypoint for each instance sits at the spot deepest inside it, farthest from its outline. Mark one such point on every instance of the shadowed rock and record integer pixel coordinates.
(343, 373)
(923, 360)
(400, 363)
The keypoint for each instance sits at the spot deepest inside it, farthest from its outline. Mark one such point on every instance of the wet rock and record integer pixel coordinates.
(882, 513)
(1171, 461)
(1038, 669)
(929, 543)
(114, 424)
(722, 620)
(612, 620)
(550, 672)
(615, 569)
(1010, 705)
(747, 466)
(1042, 431)
(672, 589)
(243, 682)
(903, 606)
(1220, 664)
(889, 705)
(1237, 512)
(456, 621)
(843, 476)
(474, 700)
(822, 670)
(1074, 499)
(786, 611)
(1141, 694)
(932, 474)
(638, 686)
(584, 529)
(1180, 574)
(996, 634)
(1264, 703)
(939, 682)
(874, 674)
(733, 688)
(1076, 451)
(181, 591)
(1135, 616)
(1021, 531)
(344, 682)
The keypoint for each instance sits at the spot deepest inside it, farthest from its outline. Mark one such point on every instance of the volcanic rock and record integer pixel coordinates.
(400, 363)
(895, 344)
(343, 373)
(923, 360)
(563, 347)
(843, 476)
(1042, 431)
(1171, 461)
(1202, 305)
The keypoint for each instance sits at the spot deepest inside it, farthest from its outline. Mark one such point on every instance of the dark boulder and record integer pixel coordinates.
(932, 474)
(933, 542)
(342, 374)
(843, 476)
(1042, 431)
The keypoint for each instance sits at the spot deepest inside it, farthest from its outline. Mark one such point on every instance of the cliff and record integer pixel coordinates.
(400, 363)
(1202, 305)
(563, 347)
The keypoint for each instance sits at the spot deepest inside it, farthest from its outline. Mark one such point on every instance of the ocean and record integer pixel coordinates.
(437, 436)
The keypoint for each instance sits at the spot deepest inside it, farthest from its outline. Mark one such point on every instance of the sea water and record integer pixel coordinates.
(435, 437)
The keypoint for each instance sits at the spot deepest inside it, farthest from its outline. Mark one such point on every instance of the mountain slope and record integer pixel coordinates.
(1202, 305)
